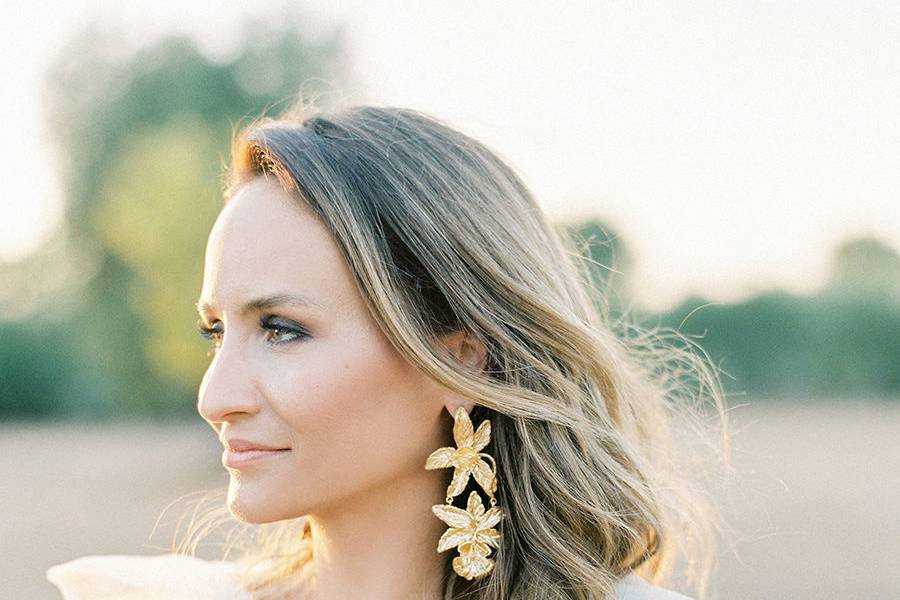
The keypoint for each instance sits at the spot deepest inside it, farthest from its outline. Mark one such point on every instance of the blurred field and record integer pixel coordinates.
(814, 514)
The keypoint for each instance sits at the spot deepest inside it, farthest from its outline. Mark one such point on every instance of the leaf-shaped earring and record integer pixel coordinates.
(471, 530)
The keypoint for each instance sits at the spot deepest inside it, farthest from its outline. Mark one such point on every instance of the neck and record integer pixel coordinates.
(381, 544)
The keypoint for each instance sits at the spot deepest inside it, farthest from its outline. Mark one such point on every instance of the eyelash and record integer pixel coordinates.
(212, 334)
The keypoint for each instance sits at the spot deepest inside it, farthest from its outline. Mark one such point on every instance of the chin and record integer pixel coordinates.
(255, 506)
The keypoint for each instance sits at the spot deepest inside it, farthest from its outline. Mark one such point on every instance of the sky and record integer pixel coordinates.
(731, 145)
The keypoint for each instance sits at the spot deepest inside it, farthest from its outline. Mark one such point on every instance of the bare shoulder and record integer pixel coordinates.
(632, 587)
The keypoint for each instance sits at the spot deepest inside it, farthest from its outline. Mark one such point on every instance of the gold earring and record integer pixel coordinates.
(471, 530)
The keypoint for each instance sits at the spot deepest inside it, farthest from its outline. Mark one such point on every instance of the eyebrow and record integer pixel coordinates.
(264, 302)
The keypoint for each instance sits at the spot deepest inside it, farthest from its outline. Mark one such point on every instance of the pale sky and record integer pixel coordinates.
(731, 144)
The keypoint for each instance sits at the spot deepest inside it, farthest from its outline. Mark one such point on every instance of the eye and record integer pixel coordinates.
(285, 330)
(210, 333)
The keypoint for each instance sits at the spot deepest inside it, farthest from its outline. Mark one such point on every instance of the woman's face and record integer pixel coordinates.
(320, 379)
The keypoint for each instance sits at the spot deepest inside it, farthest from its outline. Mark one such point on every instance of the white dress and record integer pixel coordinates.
(180, 577)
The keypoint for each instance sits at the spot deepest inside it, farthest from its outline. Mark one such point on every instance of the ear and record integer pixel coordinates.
(466, 348)
(468, 351)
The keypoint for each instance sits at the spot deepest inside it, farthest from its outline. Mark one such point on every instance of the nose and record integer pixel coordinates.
(227, 388)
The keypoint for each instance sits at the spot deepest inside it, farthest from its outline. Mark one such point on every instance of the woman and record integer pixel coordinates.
(416, 390)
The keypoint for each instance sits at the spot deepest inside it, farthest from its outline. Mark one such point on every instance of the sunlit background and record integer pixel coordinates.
(736, 164)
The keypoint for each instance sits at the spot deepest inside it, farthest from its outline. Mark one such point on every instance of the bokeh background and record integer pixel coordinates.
(735, 165)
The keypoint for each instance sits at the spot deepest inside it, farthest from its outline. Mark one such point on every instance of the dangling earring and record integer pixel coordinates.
(471, 530)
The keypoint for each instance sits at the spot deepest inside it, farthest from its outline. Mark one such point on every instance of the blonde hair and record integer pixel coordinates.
(600, 427)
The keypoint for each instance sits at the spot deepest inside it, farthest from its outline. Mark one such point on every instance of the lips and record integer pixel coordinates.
(242, 445)
(233, 459)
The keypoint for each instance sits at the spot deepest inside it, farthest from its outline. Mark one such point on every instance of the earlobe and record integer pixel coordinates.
(452, 403)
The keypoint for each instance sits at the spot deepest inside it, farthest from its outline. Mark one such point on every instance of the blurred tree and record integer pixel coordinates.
(608, 262)
(865, 267)
(143, 135)
(759, 343)
(855, 344)
(779, 345)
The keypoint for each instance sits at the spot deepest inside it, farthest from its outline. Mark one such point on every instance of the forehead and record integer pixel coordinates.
(265, 241)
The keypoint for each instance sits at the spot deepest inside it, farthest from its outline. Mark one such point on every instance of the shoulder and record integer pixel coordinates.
(181, 577)
(172, 576)
(632, 587)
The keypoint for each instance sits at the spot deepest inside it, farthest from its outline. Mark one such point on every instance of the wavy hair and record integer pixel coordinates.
(601, 428)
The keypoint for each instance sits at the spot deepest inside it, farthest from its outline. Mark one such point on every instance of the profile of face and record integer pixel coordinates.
(318, 378)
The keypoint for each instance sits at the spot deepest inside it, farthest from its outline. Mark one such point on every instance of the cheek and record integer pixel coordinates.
(357, 414)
